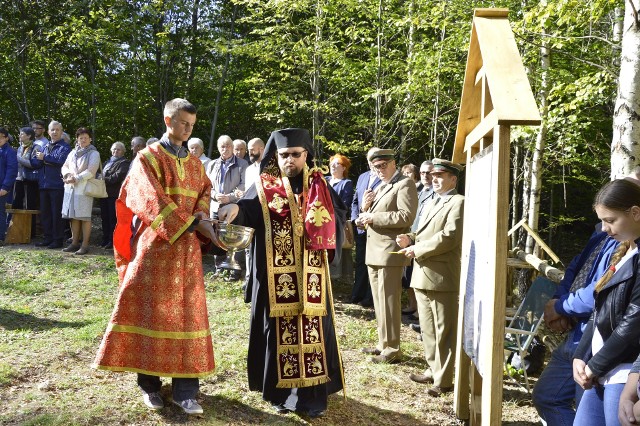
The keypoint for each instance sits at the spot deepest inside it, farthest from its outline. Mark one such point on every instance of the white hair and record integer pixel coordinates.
(119, 145)
(195, 141)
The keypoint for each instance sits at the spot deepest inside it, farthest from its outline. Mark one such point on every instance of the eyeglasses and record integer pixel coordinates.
(38, 128)
(285, 155)
(381, 166)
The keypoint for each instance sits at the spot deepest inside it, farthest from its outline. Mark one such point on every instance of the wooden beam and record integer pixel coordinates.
(491, 13)
(554, 274)
(493, 327)
(541, 243)
(481, 130)
(508, 83)
(516, 226)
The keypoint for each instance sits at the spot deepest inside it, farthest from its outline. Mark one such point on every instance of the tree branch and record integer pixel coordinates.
(635, 14)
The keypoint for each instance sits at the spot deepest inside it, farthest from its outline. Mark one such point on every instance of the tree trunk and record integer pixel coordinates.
(317, 65)
(193, 46)
(408, 95)
(536, 160)
(515, 167)
(378, 106)
(625, 145)
(223, 76)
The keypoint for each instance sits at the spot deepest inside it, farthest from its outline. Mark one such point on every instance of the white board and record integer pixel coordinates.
(476, 252)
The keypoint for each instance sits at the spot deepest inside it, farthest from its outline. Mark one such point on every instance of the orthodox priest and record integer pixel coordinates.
(293, 354)
(159, 326)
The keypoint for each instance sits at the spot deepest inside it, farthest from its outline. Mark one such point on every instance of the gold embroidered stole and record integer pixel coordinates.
(297, 285)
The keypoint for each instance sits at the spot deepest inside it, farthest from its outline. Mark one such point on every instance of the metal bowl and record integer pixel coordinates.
(231, 238)
(234, 237)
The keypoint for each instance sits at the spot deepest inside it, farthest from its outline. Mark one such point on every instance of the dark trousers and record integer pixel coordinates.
(361, 288)
(51, 214)
(108, 214)
(182, 388)
(27, 197)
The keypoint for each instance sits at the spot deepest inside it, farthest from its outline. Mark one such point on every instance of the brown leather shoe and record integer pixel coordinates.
(421, 378)
(383, 359)
(436, 391)
(371, 351)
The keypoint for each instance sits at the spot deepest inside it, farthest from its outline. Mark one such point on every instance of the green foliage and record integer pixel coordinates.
(358, 72)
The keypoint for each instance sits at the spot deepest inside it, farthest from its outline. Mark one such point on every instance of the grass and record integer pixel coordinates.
(54, 308)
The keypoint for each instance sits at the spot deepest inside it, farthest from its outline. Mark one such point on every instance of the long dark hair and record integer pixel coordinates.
(620, 195)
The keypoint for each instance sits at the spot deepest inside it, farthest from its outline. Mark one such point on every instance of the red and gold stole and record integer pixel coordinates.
(298, 232)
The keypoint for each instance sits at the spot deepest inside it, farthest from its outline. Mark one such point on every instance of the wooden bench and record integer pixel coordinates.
(19, 230)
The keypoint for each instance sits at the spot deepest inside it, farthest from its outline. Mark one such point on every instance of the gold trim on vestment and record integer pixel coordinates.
(297, 274)
(182, 230)
(176, 190)
(154, 162)
(300, 364)
(163, 214)
(154, 373)
(159, 334)
(179, 162)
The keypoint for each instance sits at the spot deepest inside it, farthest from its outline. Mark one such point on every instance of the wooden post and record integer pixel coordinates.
(496, 95)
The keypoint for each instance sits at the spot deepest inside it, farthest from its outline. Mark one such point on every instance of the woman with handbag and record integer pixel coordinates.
(114, 171)
(81, 165)
(26, 194)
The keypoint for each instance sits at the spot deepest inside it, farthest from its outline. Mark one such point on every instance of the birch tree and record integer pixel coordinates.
(625, 145)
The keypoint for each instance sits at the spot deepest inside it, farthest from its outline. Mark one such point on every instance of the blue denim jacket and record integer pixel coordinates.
(55, 154)
(8, 167)
(579, 304)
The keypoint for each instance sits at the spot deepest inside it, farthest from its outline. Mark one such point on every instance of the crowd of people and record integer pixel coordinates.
(405, 224)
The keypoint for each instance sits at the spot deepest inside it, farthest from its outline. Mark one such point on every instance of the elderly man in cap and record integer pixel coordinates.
(390, 212)
(435, 247)
(293, 354)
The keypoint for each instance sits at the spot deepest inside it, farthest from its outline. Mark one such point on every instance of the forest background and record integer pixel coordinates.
(358, 73)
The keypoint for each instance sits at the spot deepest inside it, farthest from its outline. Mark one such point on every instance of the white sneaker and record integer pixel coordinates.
(190, 406)
(153, 400)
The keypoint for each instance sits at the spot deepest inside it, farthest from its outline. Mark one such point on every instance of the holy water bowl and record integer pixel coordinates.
(232, 238)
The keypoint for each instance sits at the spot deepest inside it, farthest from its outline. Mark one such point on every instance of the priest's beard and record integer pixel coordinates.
(296, 183)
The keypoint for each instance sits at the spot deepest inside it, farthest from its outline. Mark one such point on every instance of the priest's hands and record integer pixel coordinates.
(228, 212)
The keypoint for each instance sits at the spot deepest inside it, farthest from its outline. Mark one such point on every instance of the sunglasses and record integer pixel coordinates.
(381, 166)
(285, 155)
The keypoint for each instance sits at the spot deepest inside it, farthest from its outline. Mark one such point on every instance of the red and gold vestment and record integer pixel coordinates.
(160, 325)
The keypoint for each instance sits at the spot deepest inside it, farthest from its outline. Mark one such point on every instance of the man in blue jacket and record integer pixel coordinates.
(367, 184)
(569, 310)
(8, 173)
(50, 162)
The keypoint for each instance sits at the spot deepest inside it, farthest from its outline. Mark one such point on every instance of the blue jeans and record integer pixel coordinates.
(182, 388)
(599, 406)
(555, 390)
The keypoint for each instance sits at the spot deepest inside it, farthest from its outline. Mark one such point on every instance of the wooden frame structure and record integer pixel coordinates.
(496, 95)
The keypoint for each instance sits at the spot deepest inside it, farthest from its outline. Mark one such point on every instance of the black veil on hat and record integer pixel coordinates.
(287, 138)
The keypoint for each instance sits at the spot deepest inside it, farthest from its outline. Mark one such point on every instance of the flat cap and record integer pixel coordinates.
(440, 165)
(380, 154)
